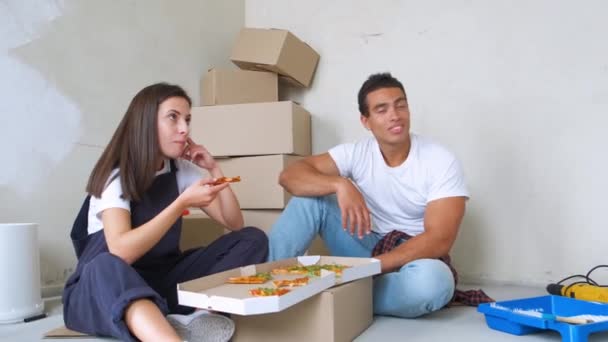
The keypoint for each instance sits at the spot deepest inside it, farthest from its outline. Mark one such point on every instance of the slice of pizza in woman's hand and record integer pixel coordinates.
(267, 292)
(223, 180)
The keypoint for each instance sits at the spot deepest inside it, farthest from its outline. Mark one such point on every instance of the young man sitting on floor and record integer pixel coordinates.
(396, 196)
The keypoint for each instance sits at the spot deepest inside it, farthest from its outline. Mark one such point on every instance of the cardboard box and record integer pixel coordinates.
(275, 50)
(318, 247)
(213, 293)
(252, 129)
(220, 87)
(259, 186)
(263, 219)
(332, 316)
(199, 232)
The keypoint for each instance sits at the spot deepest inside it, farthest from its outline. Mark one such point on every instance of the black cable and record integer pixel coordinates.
(593, 269)
(587, 278)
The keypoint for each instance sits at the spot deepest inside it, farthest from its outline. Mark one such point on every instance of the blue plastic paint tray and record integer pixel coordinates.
(519, 324)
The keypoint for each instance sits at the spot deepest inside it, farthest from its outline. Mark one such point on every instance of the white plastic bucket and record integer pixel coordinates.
(20, 296)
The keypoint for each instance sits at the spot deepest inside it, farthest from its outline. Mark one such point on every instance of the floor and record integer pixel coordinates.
(454, 324)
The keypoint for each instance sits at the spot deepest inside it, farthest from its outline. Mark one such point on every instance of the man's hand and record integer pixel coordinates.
(319, 176)
(355, 214)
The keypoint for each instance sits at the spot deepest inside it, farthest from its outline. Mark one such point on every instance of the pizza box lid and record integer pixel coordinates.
(213, 293)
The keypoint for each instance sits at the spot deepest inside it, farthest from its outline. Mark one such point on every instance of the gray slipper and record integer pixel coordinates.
(202, 326)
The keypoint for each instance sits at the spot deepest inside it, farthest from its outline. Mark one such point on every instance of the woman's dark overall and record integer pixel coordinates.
(103, 286)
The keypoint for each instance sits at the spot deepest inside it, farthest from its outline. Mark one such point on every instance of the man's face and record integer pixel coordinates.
(389, 116)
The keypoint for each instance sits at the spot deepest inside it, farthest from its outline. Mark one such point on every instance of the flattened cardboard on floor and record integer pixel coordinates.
(259, 186)
(63, 332)
(224, 86)
(338, 314)
(275, 50)
(252, 129)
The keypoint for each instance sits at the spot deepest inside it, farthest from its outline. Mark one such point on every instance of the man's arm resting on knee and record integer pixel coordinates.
(312, 176)
(319, 176)
(442, 220)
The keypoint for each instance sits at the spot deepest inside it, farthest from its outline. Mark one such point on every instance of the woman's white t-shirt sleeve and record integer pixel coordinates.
(111, 197)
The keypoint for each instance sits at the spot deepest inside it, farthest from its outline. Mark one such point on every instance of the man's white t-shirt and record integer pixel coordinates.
(397, 196)
(187, 173)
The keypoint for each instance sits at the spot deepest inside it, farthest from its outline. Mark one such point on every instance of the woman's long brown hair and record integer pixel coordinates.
(134, 148)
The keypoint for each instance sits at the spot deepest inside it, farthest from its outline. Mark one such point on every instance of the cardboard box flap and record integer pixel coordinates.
(213, 293)
(258, 46)
(276, 50)
(279, 29)
(297, 60)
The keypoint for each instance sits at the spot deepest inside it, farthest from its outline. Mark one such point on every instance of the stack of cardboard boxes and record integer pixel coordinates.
(255, 136)
(249, 131)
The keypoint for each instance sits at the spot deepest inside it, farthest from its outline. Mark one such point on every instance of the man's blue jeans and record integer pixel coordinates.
(419, 287)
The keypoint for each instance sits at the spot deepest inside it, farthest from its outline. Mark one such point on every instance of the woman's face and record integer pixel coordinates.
(173, 126)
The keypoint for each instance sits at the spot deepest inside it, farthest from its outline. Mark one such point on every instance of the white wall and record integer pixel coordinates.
(69, 69)
(517, 89)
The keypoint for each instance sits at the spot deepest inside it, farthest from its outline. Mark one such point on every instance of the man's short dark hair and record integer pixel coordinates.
(375, 82)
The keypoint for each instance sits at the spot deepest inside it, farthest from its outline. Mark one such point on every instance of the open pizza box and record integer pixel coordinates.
(214, 293)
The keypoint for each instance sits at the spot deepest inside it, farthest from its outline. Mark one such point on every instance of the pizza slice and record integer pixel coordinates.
(311, 270)
(267, 292)
(336, 268)
(223, 180)
(299, 270)
(290, 282)
(259, 278)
